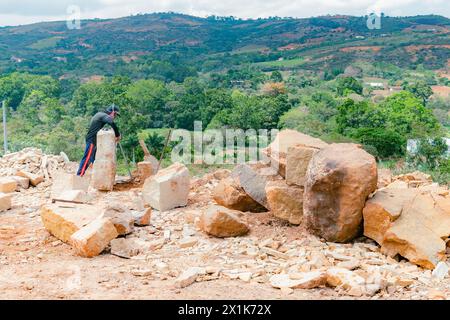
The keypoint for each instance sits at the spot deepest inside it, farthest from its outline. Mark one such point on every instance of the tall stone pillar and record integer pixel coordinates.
(104, 171)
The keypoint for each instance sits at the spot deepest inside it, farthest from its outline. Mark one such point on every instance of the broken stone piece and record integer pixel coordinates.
(7, 184)
(34, 178)
(62, 221)
(92, 239)
(253, 178)
(223, 222)
(297, 161)
(128, 248)
(284, 201)
(168, 189)
(121, 217)
(5, 201)
(230, 194)
(22, 182)
(188, 277)
(142, 218)
(441, 271)
(187, 242)
(304, 280)
(411, 223)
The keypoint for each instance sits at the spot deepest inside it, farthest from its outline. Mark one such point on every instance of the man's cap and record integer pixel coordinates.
(113, 108)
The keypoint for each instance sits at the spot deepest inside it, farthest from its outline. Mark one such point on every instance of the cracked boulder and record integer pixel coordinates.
(339, 179)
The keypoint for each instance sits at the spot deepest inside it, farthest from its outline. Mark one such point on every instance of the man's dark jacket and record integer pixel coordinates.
(97, 123)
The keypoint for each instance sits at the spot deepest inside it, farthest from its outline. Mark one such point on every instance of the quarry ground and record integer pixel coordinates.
(35, 265)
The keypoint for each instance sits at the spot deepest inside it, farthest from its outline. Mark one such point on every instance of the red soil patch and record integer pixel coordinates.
(362, 48)
(426, 46)
(442, 91)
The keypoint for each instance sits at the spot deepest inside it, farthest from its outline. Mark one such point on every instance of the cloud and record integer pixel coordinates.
(13, 12)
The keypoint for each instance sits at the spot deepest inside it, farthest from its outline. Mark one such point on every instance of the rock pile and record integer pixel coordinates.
(307, 179)
(32, 161)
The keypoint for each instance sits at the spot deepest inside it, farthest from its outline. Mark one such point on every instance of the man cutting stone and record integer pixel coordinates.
(97, 123)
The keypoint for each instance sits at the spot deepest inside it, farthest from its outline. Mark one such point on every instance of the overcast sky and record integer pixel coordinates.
(16, 12)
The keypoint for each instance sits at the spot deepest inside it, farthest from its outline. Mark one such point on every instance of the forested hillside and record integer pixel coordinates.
(330, 77)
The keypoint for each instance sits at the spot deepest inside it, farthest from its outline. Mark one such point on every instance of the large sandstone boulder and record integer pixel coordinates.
(340, 177)
(230, 194)
(277, 151)
(62, 221)
(253, 178)
(168, 189)
(222, 222)
(285, 202)
(413, 223)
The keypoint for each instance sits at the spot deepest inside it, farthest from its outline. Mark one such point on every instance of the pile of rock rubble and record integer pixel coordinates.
(34, 161)
(27, 168)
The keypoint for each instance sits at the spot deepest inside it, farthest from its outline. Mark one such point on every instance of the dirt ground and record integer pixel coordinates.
(35, 265)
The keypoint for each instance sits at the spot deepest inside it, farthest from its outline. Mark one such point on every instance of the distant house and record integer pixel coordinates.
(395, 89)
(60, 59)
(376, 84)
(16, 59)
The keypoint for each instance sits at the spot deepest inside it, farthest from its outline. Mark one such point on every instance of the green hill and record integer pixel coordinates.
(129, 45)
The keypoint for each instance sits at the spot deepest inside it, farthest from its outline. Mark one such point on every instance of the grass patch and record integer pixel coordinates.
(292, 63)
(45, 43)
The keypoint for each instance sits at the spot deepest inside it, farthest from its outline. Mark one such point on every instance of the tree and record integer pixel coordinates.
(387, 143)
(149, 99)
(407, 115)
(276, 76)
(430, 153)
(273, 88)
(346, 85)
(419, 89)
(353, 115)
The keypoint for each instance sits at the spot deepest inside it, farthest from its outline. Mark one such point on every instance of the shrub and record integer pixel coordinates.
(385, 142)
